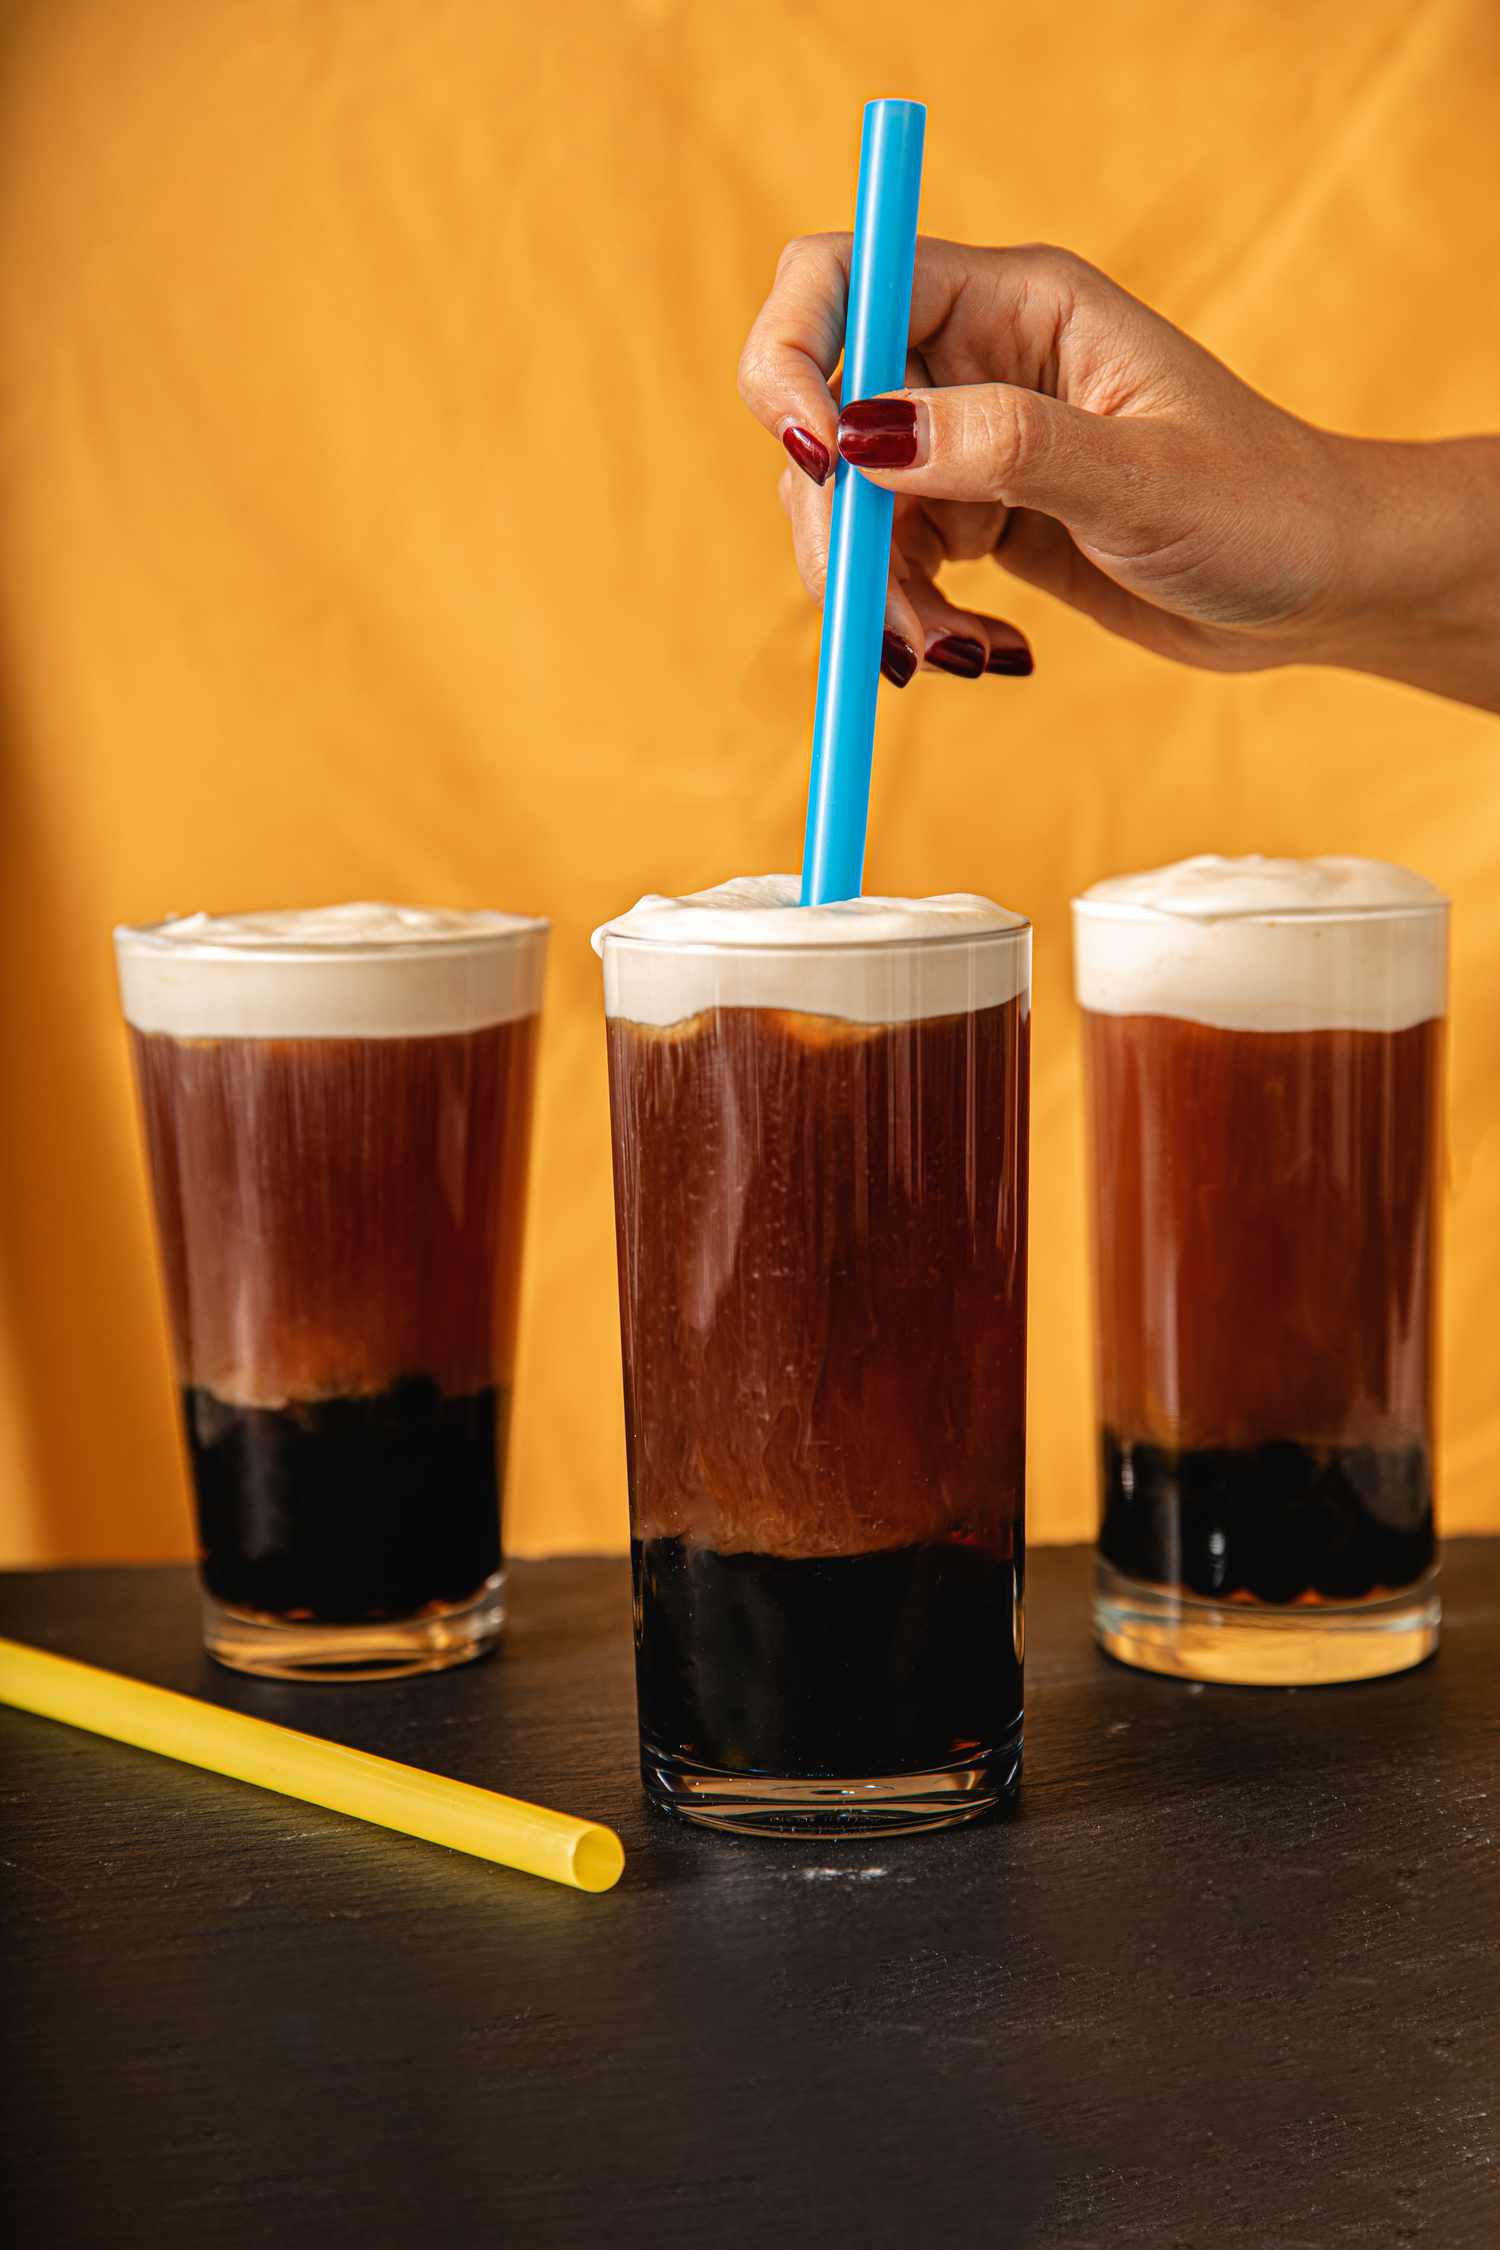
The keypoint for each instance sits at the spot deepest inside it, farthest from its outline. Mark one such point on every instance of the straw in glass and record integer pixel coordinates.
(880, 277)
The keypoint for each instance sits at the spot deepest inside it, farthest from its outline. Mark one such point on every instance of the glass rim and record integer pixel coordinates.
(1133, 910)
(149, 938)
(828, 948)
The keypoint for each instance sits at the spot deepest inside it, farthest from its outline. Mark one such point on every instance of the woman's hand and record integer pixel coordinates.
(1055, 423)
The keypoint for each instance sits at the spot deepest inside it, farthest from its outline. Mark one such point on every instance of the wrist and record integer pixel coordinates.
(1414, 591)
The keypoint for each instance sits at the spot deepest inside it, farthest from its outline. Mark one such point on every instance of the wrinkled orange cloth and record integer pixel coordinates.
(377, 519)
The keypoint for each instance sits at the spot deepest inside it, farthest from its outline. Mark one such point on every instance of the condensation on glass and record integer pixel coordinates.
(1263, 1058)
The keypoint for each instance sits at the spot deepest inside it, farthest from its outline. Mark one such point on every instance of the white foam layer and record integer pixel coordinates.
(1261, 944)
(748, 944)
(362, 971)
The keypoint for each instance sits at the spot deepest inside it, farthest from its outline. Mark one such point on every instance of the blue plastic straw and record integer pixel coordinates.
(859, 554)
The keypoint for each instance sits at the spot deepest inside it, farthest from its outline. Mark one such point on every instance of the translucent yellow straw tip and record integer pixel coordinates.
(598, 1860)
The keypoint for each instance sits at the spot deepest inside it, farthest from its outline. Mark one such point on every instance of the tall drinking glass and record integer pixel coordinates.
(820, 1146)
(337, 1110)
(1263, 1060)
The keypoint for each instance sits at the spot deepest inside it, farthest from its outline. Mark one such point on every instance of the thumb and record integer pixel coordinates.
(1000, 442)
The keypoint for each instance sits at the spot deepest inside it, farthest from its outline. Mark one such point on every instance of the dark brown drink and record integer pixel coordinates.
(1265, 1223)
(822, 1246)
(340, 1221)
(1265, 1214)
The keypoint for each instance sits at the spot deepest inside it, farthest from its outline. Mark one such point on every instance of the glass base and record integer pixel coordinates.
(1320, 1644)
(898, 1804)
(274, 1649)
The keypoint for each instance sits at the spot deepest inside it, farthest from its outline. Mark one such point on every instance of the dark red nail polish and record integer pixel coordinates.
(1015, 663)
(879, 433)
(898, 659)
(810, 454)
(952, 652)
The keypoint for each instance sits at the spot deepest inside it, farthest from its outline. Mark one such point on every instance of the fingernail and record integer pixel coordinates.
(898, 659)
(879, 433)
(810, 454)
(952, 652)
(1015, 663)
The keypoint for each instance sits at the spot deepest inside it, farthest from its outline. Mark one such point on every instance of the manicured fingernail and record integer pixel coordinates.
(898, 659)
(879, 433)
(1015, 663)
(810, 453)
(952, 652)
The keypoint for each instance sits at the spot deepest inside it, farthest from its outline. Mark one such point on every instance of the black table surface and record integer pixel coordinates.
(1229, 1978)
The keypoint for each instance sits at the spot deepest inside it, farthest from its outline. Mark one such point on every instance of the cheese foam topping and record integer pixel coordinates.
(747, 943)
(365, 970)
(1259, 944)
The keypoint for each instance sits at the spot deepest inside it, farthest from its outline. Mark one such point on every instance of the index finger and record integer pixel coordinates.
(797, 339)
(798, 336)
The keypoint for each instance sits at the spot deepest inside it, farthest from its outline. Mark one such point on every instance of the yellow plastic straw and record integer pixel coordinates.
(503, 1829)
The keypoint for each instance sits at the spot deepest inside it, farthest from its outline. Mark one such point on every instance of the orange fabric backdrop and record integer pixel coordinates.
(377, 519)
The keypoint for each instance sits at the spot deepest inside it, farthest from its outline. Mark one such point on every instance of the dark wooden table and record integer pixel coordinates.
(1232, 1977)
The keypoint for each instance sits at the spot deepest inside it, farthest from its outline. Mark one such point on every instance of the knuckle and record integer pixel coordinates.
(1008, 436)
(747, 375)
(1044, 274)
(804, 246)
(812, 556)
(1051, 260)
